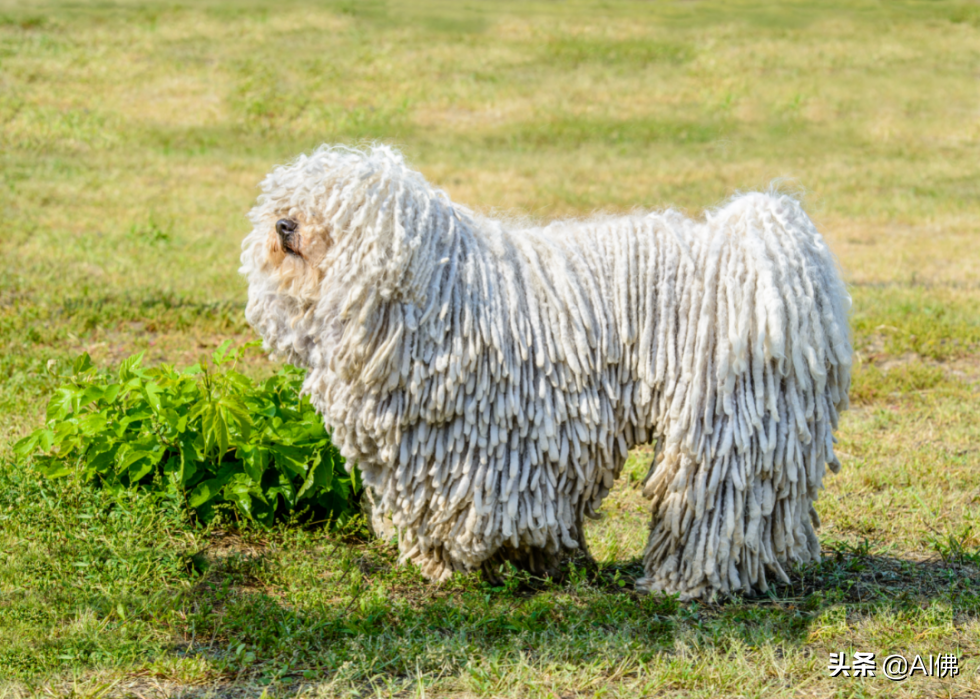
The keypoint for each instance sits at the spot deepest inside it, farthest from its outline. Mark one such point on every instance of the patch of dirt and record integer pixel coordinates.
(147, 686)
(965, 369)
(224, 544)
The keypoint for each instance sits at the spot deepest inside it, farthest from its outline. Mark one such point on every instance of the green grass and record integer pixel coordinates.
(937, 323)
(132, 138)
(127, 586)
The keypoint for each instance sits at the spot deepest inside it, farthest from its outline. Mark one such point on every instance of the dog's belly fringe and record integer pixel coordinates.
(494, 415)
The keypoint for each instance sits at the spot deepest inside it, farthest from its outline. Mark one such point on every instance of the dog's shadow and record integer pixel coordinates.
(361, 590)
(328, 605)
(849, 580)
(845, 574)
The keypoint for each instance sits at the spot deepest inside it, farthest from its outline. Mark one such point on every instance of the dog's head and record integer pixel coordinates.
(330, 232)
(291, 233)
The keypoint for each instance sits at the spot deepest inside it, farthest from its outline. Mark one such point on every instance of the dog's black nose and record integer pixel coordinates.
(285, 226)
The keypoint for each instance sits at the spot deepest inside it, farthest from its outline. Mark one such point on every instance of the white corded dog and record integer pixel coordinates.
(490, 380)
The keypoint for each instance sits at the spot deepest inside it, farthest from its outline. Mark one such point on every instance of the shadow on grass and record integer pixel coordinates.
(354, 615)
(853, 575)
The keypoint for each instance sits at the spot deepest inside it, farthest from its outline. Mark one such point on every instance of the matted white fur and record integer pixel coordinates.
(489, 380)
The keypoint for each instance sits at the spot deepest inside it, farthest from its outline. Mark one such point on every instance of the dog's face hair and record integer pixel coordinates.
(305, 210)
(293, 250)
(335, 210)
(318, 218)
(284, 255)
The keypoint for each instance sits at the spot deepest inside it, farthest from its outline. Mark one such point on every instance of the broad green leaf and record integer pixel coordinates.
(342, 487)
(101, 462)
(62, 403)
(137, 414)
(207, 490)
(198, 409)
(234, 408)
(82, 364)
(189, 458)
(93, 424)
(128, 456)
(139, 469)
(291, 459)
(264, 409)
(61, 431)
(28, 445)
(91, 394)
(171, 419)
(152, 392)
(45, 440)
(171, 467)
(208, 414)
(210, 488)
(129, 367)
(295, 432)
(239, 381)
(256, 460)
(264, 512)
(318, 477)
(110, 392)
(216, 429)
(242, 498)
(241, 490)
(220, 355)
(204, 492)
(284, 488)
(55, 468)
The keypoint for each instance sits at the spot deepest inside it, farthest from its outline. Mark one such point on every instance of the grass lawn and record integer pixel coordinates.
(132, 138)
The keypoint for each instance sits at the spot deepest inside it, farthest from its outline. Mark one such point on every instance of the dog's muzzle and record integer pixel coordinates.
(286, 229)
